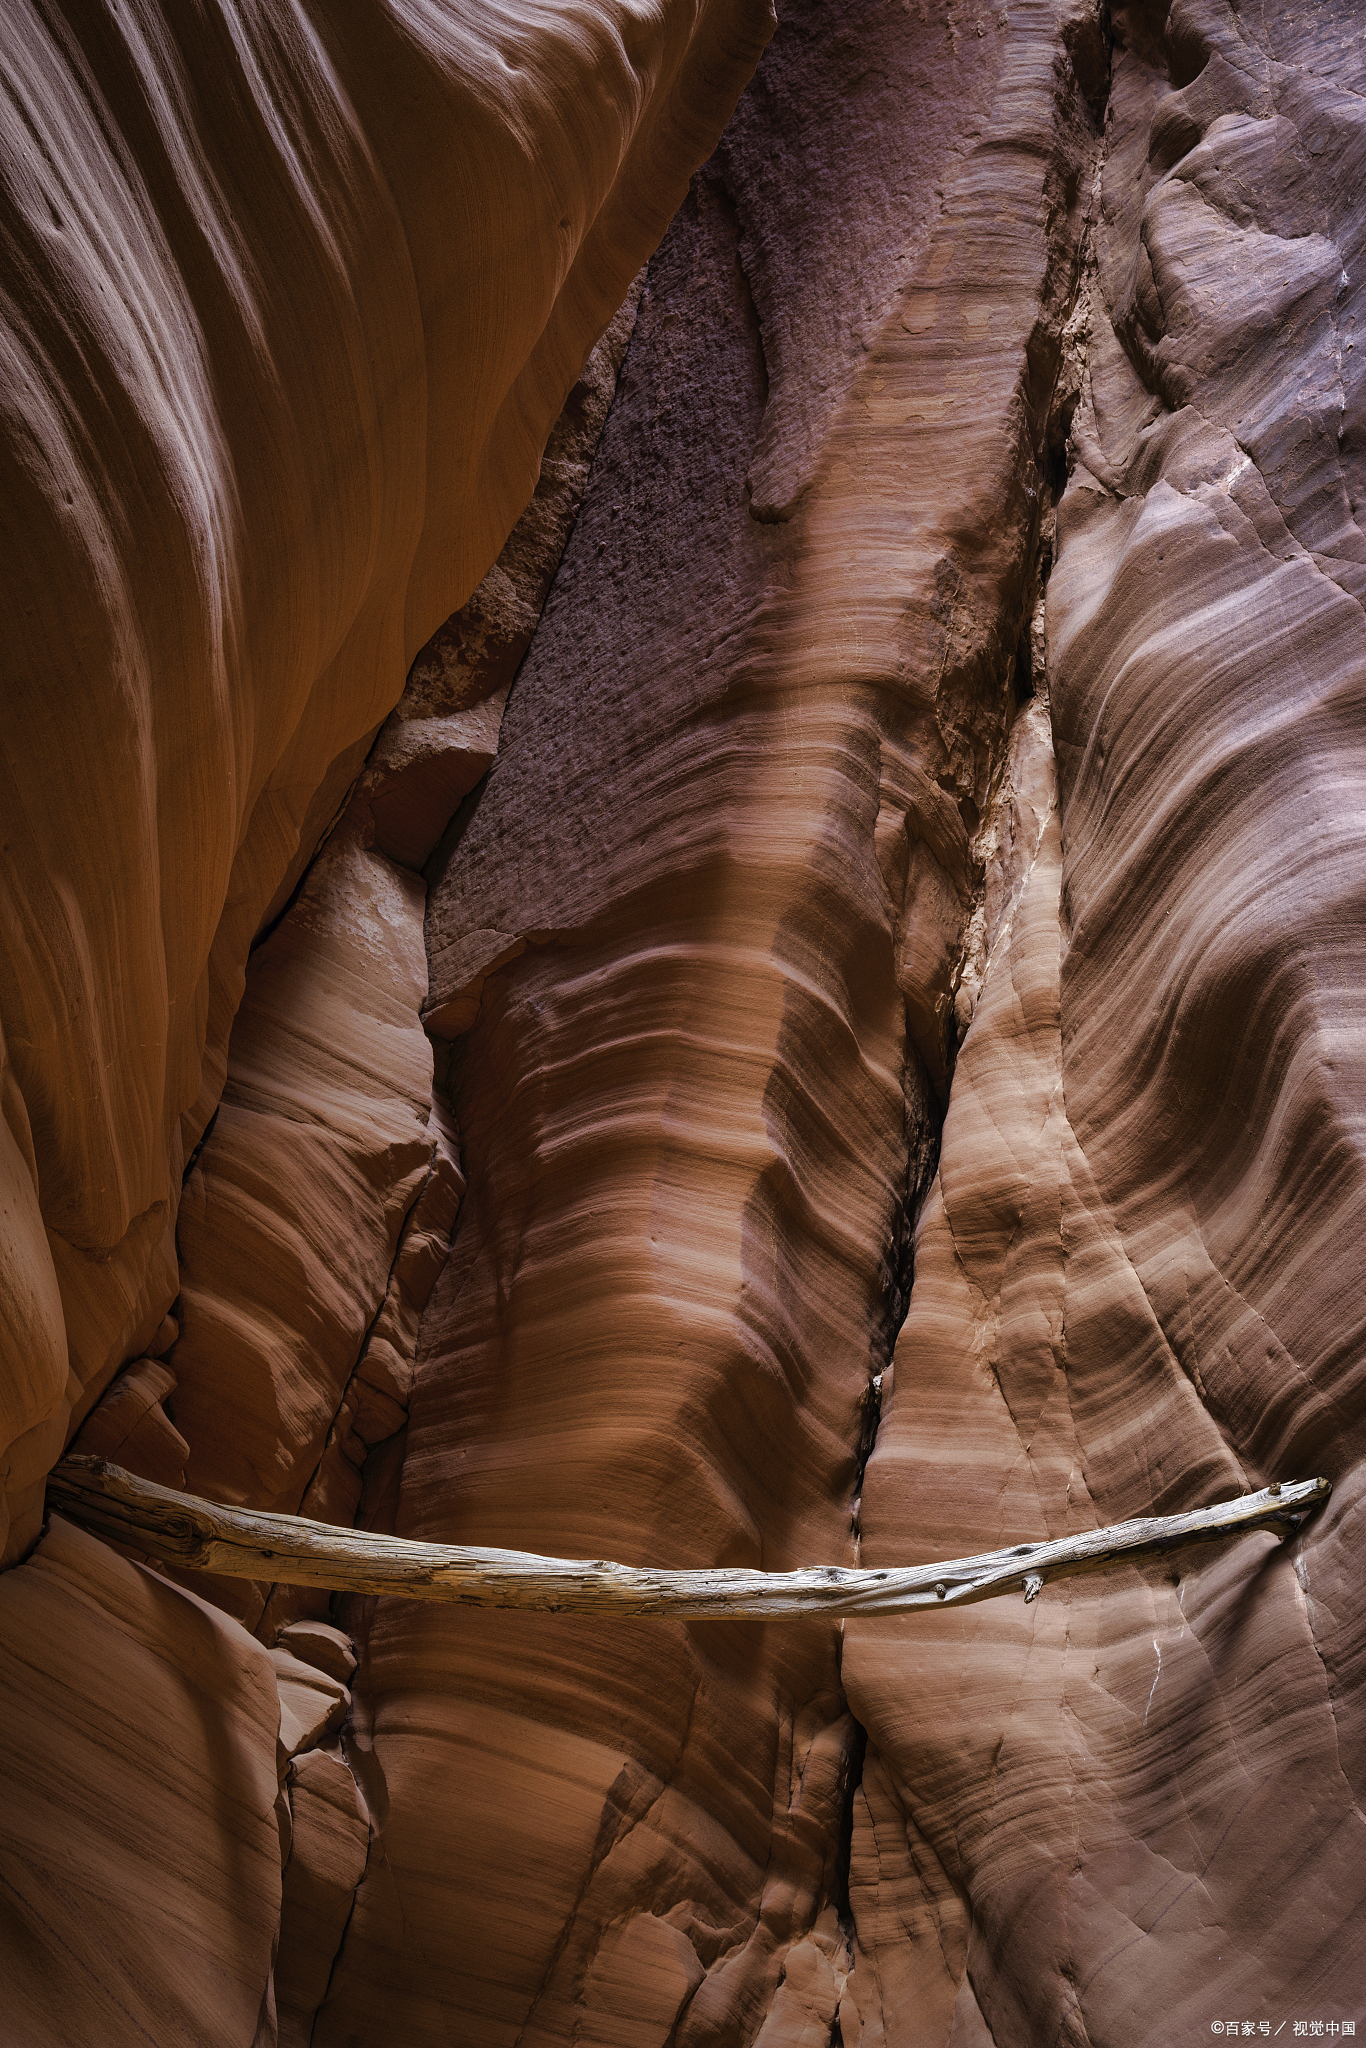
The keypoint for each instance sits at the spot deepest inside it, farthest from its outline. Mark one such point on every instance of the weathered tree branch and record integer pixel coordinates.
(197, 1535)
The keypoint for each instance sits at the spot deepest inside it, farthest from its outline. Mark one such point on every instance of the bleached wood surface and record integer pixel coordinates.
(197, 1535)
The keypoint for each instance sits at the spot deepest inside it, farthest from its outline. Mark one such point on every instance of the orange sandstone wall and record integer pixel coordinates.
(292, 300)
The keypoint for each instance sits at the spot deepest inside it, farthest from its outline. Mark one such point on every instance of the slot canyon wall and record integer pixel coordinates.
(820, 1024)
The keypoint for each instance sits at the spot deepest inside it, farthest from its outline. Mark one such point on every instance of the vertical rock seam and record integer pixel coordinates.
(1129, 1279)
(699, 939)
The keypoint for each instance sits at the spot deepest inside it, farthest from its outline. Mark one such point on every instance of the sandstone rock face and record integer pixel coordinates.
(279, 370)
(701, 933)
(291, 304)
(318, 1214)
(139, 1850)
(823, 1025)
(1133, 1280)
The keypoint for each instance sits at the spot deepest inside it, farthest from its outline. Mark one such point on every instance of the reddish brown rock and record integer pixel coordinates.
(1133, 1280)
(281, 366)
(318, 1216)
(131, 1427)
(320, 1155)
(139, 1850)
(774, 871)
(443, 733)
(706, 919)
(330, 1842)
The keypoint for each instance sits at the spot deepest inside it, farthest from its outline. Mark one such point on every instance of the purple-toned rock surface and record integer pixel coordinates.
(822, 1025)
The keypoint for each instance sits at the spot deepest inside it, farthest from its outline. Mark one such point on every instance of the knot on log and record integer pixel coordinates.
(241, 1543)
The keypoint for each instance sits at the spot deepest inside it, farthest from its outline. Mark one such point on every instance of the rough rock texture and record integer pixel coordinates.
(292, 299)
(702, 928)
(443, 733)
(319, 1210)
(909, 867)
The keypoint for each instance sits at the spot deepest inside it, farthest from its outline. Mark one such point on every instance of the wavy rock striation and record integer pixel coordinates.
(292, 302)
(278, 376)
(699, 936)
(1132, 1278)
(841, 927)
(140, 1854)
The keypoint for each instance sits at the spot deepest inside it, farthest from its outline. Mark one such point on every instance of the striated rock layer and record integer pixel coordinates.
(1135, 1282)
(292, 302)
(853, 1053)
(292, 299)
(140, 1855)
(318, 1212)
(699, 936)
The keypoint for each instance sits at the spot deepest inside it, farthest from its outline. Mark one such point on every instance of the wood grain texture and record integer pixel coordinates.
(199, 1535)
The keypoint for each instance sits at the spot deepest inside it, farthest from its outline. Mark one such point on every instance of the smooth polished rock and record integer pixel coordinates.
(1136, 1282)
(138, 1842)
(294, 302)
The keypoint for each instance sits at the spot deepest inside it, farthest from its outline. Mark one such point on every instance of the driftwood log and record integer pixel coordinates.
(196, 1535)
